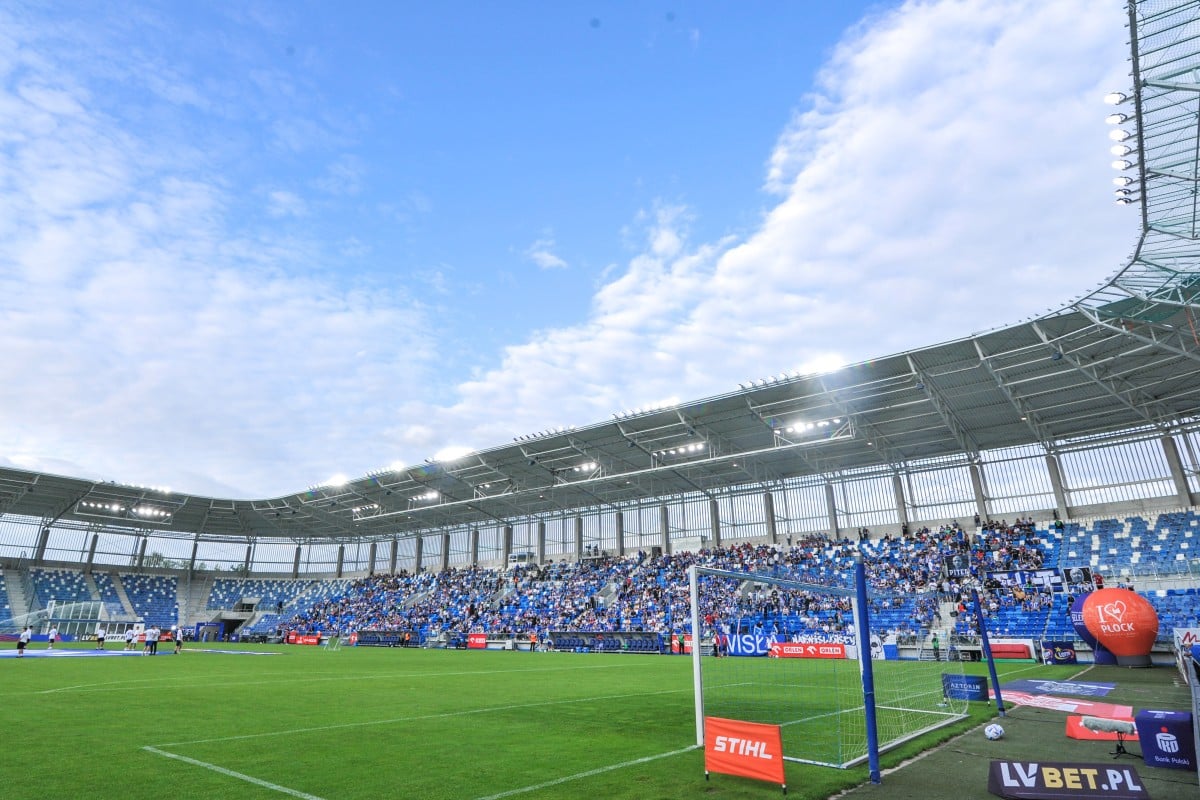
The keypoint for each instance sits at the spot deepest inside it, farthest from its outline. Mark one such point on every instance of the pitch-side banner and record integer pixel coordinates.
(1185, 638)
(747, 749)
(1071, 705)
(750, 644)
(1058, 652)
(1037, 780)
(303, 638)
(477, 641)
(807, 650)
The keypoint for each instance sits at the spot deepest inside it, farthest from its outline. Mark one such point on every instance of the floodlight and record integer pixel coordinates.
(1116, 119)
(1122, 164)
(1122, 180)
(1115, 98)
(1119, 135)
(1120, 149)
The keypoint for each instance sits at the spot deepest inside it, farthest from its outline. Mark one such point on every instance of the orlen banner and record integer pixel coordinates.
(748, 749)
(749, 644)
(303, 638)
(807, 650)
(477, 641)
(1124, 622)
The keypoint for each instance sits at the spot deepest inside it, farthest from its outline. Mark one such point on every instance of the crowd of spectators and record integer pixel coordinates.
(644, 592)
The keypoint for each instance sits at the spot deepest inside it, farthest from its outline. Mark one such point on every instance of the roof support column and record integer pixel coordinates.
(371, 558)
(714, 516)
(977, 486)
(664, 526)
(445, 551)
(831, 508)
(245, 561)
(541, 541)
(92, 552)
(474, 547)
(578, 538)
(341, 559)
(196, 549)
(295, 560)
(769, 516)
(39, 553)
(620, 525)
(901, 502)
(418, 551)
(393, 556)
(141, 556)
(1056, 483)
(1171, 452)
(508, 539)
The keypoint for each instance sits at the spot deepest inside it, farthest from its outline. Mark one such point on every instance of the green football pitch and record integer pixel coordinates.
(371, 723)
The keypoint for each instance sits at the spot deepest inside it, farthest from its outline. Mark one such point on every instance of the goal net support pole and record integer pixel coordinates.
(866, 670)
(987, 649)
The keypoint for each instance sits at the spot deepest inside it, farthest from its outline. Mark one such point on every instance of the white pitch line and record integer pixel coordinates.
(230, 773)
(110, 687)
(445, 715)
(590, 773)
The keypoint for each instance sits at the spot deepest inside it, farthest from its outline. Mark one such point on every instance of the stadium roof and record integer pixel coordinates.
(1121, 360)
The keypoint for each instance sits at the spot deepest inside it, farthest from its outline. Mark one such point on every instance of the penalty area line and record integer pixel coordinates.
(230, 773)
(588, 774)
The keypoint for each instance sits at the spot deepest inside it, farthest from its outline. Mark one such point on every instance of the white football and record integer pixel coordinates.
(993, 731)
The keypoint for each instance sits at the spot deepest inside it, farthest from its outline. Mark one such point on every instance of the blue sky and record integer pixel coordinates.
(245, 247)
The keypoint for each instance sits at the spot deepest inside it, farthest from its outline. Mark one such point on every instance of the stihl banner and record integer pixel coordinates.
(747, 749)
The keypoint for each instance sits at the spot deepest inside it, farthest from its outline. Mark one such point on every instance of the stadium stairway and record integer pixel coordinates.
(92, 588)
(19, 594)
(948, 610)
(123, 595)
(193, 606)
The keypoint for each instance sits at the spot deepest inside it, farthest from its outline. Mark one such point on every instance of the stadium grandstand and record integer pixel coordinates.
(1067, 444)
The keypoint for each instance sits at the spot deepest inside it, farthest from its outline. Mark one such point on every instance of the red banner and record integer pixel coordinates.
(303, 638)
(477, 641)
(1075, 730)
(807, 650)
(748, 749)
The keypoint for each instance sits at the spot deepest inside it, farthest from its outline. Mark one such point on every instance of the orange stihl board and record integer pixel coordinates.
(748, 749)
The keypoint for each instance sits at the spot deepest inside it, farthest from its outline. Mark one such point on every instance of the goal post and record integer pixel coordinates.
(769, 649)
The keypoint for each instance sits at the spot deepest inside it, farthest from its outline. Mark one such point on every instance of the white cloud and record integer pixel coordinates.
(158, 343)
(343, 176)
(542, 254)
(947, 175)
(286, 204)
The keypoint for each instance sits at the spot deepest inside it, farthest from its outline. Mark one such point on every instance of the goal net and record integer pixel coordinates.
(777, 651)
